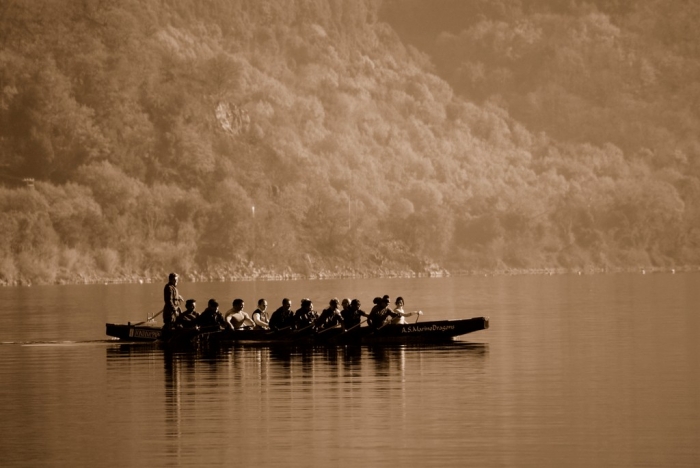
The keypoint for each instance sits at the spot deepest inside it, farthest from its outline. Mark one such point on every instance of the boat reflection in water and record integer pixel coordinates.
(213, 391)
(284, 393)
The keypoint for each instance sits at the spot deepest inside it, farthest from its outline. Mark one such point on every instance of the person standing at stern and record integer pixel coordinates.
(171, 299)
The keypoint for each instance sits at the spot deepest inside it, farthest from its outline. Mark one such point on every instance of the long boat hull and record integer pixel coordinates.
(134, 332)
(426, 332)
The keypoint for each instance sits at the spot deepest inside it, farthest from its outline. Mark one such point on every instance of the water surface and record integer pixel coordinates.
(575, 371)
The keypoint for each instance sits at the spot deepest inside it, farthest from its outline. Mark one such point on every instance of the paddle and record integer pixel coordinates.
(418, 314)
(388, 322)
(355, 326)
(269, 332)
(334, 327)
(295, 334)
(150, 319)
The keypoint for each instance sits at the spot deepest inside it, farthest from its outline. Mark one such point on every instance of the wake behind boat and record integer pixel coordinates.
(438, 331)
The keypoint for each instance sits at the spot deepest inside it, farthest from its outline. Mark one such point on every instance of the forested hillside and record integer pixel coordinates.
(221, 138)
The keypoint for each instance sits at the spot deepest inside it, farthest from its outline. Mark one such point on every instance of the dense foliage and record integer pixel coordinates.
(218, 137)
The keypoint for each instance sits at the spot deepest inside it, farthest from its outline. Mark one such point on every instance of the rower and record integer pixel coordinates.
(305, 316)
(283, 317)
(211, 318)
(345, 303)
(260, 315)
(380, 312)
(353, 316)
(330, 316)
(236, 318)
(398, 310)
(188, 318)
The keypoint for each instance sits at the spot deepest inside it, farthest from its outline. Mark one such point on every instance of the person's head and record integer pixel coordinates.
(355, 304)
(377, 300)
(286, 303)
(399, 301)
(334, 302)
(346, 303)
(386, 300)
(190, 304)
(238, 304)
(306, 304)
(173, 278)
(212, 304)
(262, 304)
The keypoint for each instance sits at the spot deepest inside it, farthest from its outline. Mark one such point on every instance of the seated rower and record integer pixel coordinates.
(380, 312)
(377, 301)
(330, 317)
(345, 303)
(188, 318)
(259, 316)
(401, 314)
(352, 317)
(283, 317)
(306, 315)
(211, 318)
(236, 318)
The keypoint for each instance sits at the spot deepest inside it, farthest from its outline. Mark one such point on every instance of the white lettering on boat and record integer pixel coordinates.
(144, 333)
(427, 328)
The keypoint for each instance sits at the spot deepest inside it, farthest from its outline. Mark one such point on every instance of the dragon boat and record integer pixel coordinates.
(425, 332)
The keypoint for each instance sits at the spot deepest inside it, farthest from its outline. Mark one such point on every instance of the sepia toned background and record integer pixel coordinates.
(449, 143)
(226, 139)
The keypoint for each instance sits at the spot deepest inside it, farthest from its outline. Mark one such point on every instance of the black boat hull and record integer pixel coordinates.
(426, 332)
(133, 332)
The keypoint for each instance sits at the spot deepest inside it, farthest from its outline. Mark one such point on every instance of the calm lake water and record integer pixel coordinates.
(575, 370)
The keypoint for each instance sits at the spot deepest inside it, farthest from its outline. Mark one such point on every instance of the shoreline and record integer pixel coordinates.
(196, 277)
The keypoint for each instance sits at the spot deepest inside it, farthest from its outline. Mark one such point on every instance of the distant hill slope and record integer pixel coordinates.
(227, 138)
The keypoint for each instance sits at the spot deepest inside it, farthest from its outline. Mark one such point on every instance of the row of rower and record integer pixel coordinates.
(346, 313)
